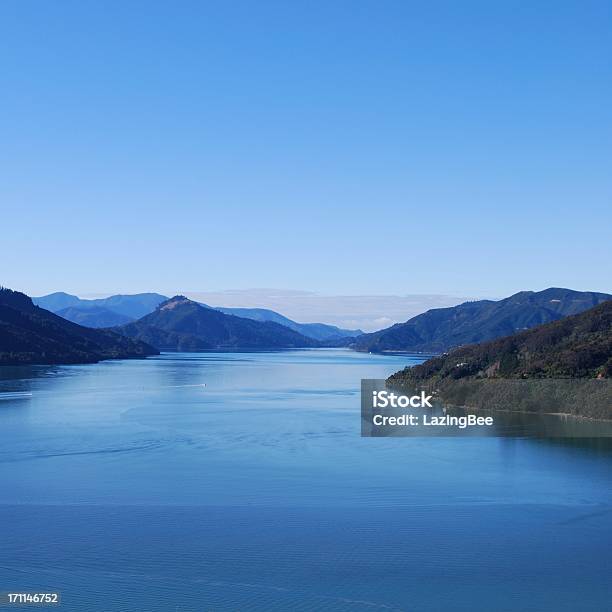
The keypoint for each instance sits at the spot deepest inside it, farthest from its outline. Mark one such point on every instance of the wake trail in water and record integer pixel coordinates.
(12, 395)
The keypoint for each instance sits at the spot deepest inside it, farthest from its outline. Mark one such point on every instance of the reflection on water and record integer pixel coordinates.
(130, 485)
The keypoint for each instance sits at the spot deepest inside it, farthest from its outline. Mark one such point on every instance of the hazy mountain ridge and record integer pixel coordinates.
(317, 331)
(182, 324)
(99, 313)
(32, 335)
(93, 316)
(132, 306)
(442, 329)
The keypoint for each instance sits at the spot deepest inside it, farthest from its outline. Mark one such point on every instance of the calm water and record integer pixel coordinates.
(129, 486)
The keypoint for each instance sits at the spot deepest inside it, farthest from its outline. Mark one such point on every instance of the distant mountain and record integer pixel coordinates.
(134, 306)
(102, 312)
(32, 335)
(515, 371)
(57, 301)
(317, 331)
(99, 313)
(131, 306)
(93, 316)
(441, 329)
(181, 324)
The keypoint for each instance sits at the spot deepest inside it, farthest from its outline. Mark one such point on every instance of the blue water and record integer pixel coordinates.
(128, 485)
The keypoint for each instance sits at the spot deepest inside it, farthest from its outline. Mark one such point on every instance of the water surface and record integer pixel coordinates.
(129, 485)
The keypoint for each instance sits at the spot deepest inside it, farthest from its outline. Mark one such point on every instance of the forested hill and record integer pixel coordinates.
(182, 324)
(442, 329)
(121, 309)
(577, 348)
(574, 347)
(32, 335)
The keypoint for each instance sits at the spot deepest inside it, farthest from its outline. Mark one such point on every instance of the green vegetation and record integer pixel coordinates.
(184, 325)
(443, 329)
(564, 366)
(32, 335)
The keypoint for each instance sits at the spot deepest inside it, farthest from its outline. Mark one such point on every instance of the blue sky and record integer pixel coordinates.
(458, 148)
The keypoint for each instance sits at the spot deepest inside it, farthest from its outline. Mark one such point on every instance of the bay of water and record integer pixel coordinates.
(128, 485)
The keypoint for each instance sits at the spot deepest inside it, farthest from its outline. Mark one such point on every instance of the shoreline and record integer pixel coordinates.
(578, 417)
(479, 394)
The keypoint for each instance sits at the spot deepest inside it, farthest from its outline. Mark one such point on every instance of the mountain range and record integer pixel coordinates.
(93, 316)
(121, 309)
(182, 324)
(131, 307)
(30, 334)
(512, 372)
(316, 331)
(442, 329)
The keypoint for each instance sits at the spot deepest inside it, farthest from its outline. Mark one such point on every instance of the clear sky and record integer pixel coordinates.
(459, 148)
